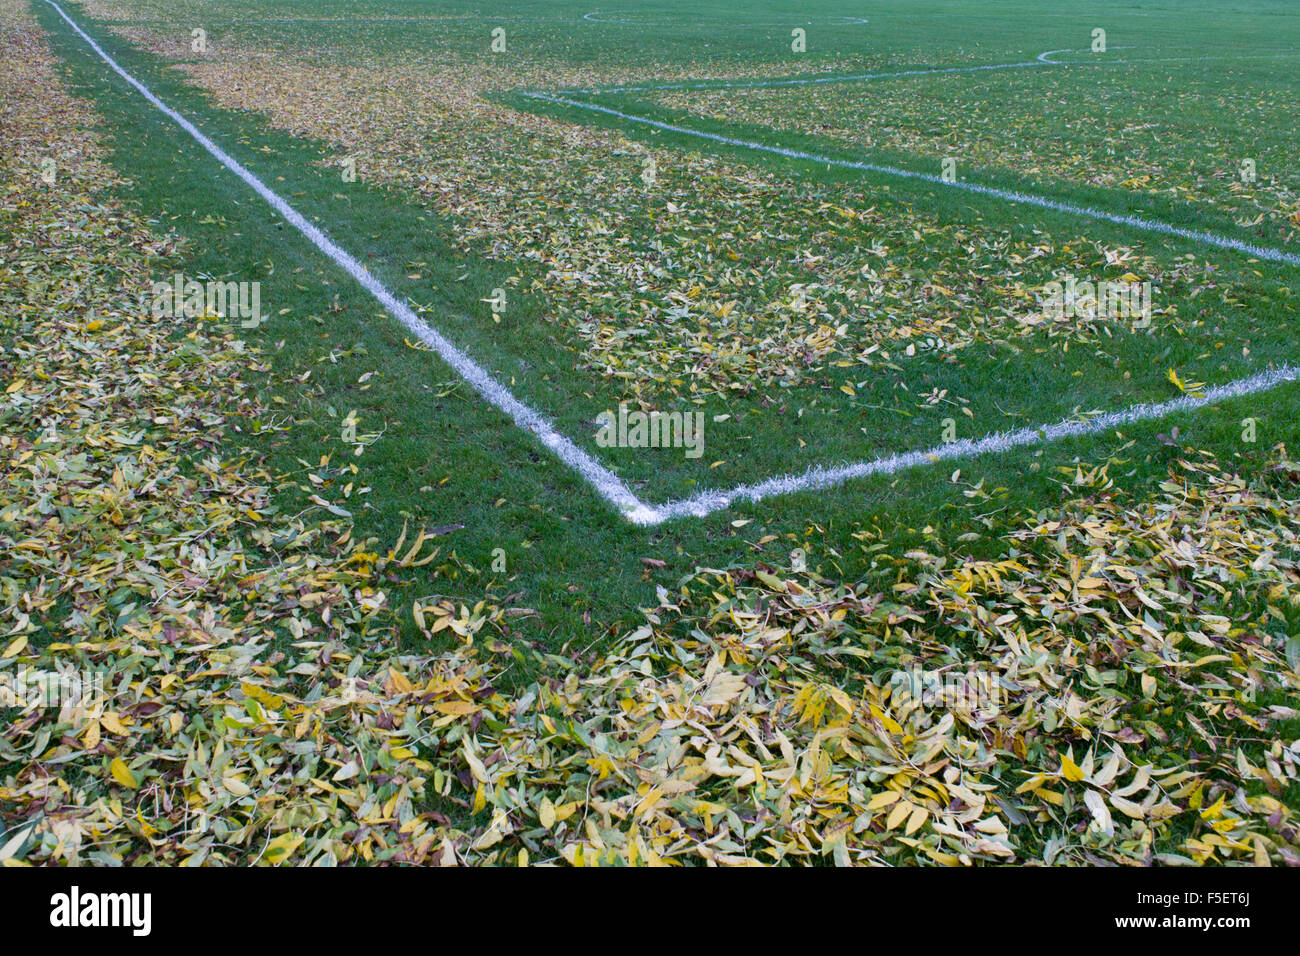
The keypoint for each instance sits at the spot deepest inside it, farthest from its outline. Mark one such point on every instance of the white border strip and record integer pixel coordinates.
(605, 482)
(821, 477)
(1136, 222)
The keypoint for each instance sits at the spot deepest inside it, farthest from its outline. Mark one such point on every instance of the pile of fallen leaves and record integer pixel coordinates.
(1114, 686)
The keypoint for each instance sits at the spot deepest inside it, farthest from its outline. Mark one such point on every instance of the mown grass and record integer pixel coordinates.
(569, 556)
(331, 353)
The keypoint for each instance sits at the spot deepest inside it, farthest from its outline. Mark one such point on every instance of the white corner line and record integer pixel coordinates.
(607, 484)
(1087, 212)
(821, 477)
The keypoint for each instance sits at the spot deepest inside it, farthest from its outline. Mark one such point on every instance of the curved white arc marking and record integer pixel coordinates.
(705, 86)
(598, 16)
(709, 86)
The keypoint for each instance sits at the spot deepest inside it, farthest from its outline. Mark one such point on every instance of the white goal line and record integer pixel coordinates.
(822, 477)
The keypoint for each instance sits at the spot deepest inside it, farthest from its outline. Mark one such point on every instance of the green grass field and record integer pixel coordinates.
(937, 331)
(696, 210)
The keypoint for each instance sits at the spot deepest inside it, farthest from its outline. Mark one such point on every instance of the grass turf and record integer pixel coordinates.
(445, 458)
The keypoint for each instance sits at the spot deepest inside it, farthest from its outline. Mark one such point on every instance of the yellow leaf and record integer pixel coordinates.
(883, 799)
(1127, 807)
(113, 725)
(264, 697)
(918, 817)
(898, 814)
(475, 765)
(648, 802)
(458, 708)
(1033, 783)
(546, 813)
(279, 849)
(1070, 770)
(16, 648)
(122, 773)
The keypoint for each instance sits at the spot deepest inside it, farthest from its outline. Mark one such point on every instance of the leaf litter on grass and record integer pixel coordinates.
(639, 280)
(1108, 126)
(1132, 647)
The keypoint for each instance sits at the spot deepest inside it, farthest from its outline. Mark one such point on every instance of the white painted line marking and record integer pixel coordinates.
(1136, 222)
(599, 16)
(605, 482)
(821, 477)
(1043, 59)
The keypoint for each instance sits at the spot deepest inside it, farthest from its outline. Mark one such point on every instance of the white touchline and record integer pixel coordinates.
(822, 477)
(604, 481)
(1136, 222)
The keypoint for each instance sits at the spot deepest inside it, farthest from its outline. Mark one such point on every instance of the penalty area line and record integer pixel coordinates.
(820, 478)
